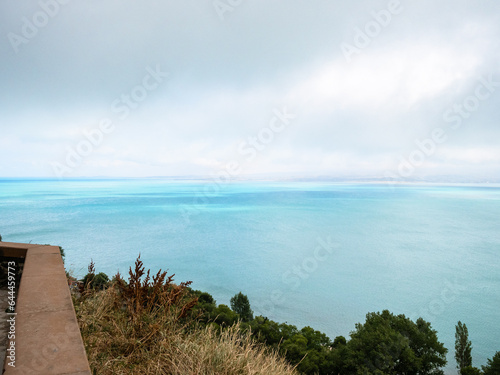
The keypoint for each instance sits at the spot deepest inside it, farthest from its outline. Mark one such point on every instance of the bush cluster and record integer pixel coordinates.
(150, 320)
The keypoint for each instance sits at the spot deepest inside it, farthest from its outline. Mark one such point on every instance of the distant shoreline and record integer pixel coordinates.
(202, 180)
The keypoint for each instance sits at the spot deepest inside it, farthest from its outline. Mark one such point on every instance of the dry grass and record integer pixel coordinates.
(143, 327)
(227, 353)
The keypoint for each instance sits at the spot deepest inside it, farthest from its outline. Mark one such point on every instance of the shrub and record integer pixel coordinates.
(99, 281)
(63, 255)
(241, 306)
(145, 327)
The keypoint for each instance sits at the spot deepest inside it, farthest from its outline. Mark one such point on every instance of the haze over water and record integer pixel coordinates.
(419, 250)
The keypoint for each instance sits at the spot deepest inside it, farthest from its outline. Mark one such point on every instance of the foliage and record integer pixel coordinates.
(241, 306)
(310, 350)
(206, 298)
(493, 365)
(393, 344)
(224, 316)
(87, 280)
(146, 326)
(63, 255)
(469, 370)
(152, 293)
(209, 313)
(313, 357)
(463, 346)
(91, 281)
(0, 238)
(150, 317)
(100, 281)
(385, 344)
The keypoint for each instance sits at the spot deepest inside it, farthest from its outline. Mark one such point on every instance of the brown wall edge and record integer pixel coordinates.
(47, 336)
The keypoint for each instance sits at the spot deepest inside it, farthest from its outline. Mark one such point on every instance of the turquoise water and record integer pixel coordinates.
(430, 251)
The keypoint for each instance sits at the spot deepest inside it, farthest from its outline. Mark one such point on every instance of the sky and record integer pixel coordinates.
(322, 89)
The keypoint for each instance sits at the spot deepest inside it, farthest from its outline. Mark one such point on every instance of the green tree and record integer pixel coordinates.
(338, 356)
(0, 238)
(463, 346)
(207, 298)
(241, 306)
(493, 366)
(310, 350)
(295, 348)
(469, 370)
(390, 344)
(224, 316)
(205, 307)
(319, 352)
(270, 332)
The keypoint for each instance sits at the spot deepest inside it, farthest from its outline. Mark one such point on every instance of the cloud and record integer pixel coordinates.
(395, 80)
(227, 77)
(471, 155)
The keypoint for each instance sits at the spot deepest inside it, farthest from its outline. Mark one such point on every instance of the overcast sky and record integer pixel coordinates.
(289, 88)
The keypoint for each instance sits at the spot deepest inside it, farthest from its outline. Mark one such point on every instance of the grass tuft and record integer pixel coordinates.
(146, 326)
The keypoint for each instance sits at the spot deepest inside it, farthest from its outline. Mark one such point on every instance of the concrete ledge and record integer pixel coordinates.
(12, 251)
(47, 337)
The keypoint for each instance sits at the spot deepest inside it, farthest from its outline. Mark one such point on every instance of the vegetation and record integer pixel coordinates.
(241, 306)
(146, 326)
(310, 350)
(63, 255)
(469, 370)
(149, 325)
(493, 366)
(93, 281)
(463, 347)
(99, 281)
(393, 344)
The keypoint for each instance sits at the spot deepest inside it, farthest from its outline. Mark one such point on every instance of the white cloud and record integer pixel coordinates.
(474, 155)
(395, 80)
(227, 77)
